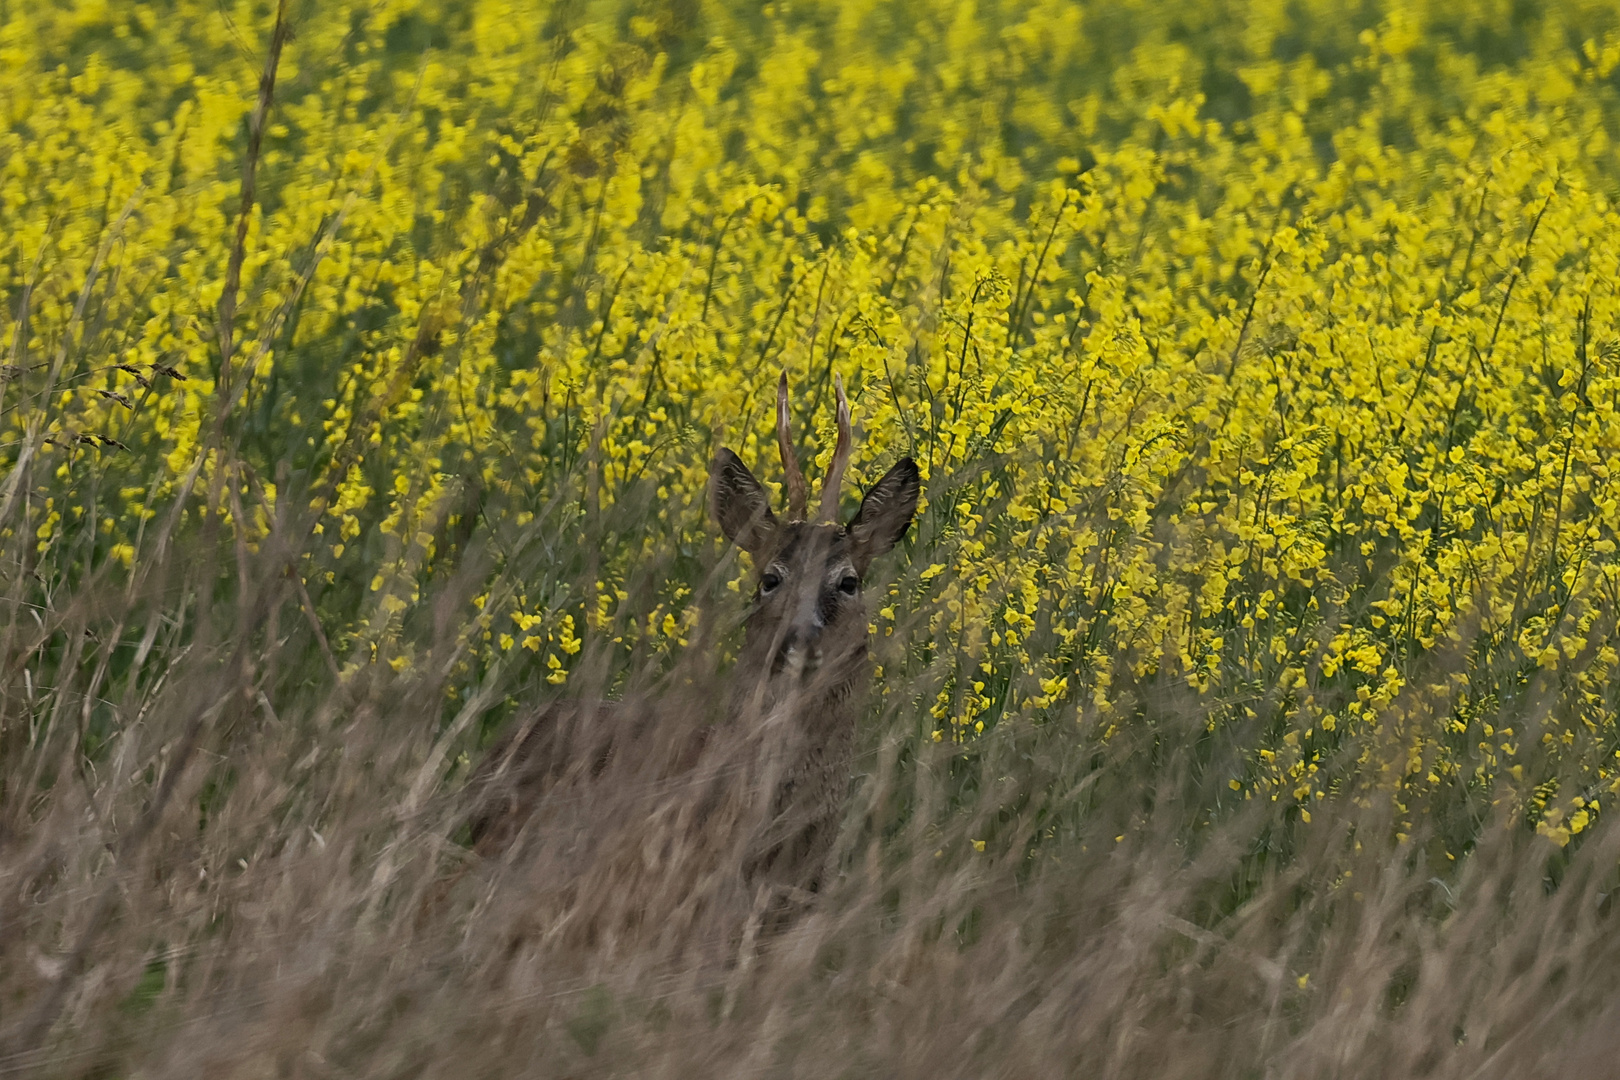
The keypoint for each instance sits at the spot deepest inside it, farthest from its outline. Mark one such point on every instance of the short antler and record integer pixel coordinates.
(830, 487)
(797, 491)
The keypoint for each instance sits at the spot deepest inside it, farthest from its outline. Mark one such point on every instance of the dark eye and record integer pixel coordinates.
(769, 581)
(849, 585)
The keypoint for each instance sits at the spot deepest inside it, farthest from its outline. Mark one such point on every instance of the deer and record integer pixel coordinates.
(785, 745)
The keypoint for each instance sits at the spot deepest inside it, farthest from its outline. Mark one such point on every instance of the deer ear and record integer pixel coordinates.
(885, 513)
(739, 503)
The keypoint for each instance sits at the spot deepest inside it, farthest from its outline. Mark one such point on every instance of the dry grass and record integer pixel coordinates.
(223, 886)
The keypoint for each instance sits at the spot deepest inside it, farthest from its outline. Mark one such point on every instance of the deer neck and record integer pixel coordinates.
(822, 704)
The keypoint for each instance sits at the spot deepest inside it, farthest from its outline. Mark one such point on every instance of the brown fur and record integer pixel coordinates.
(767, 781)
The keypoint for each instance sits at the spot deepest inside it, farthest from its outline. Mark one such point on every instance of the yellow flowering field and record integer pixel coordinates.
(1261, 360)
(1279, 357)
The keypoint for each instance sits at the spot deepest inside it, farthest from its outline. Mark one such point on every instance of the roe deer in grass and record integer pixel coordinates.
(783, 748)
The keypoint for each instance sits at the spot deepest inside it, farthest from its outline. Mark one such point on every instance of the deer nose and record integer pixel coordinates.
(801, 651)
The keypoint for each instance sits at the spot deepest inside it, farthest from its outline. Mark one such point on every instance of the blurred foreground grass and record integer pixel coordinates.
(1246, 703)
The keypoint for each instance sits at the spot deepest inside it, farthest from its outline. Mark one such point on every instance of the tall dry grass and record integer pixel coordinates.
(220, 885)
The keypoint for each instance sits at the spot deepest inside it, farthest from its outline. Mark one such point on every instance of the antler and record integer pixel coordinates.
(835, 472)
(798, 492)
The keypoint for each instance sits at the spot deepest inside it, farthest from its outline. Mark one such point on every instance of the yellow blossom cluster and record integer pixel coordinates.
(1268, 352)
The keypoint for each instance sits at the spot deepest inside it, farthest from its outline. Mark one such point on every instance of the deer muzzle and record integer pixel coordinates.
(800, 654)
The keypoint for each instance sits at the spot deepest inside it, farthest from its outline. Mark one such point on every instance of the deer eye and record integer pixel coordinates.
(849, 585)
(769, 581)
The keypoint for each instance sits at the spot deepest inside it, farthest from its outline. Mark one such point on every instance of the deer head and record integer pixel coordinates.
(807, 626)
